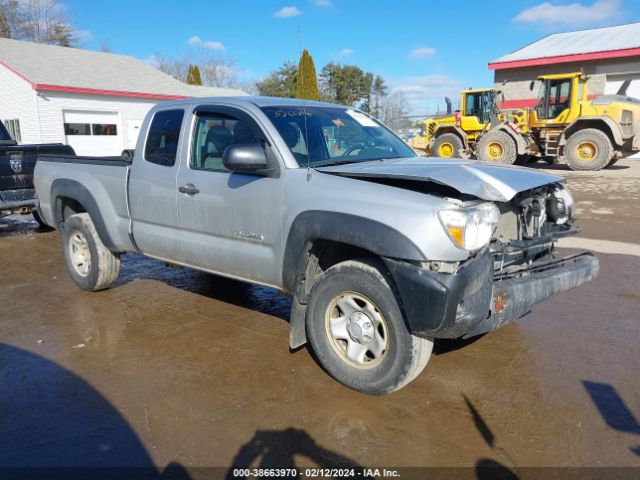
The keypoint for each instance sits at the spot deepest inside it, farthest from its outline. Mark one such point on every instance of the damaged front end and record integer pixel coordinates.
(503, 280)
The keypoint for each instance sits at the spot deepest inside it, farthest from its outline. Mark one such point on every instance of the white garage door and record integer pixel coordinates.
(614, 82)
(93, 133)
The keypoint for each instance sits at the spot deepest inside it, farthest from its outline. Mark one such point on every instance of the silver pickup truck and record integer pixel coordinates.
(382, 250)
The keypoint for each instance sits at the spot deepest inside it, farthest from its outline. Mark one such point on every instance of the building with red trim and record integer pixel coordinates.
(94, 101)
(608, 55)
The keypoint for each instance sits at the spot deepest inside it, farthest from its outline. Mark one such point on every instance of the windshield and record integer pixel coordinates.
(320, 136)
(4, 135)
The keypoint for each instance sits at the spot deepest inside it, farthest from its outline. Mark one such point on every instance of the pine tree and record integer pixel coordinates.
(193, 75)
(5, 30)
(306, 80)
(280, 82)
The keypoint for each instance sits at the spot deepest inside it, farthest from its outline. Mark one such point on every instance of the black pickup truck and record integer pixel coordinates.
(17, 162)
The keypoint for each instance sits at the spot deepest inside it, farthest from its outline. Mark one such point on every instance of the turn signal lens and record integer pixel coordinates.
(470, 227)
(457, 234)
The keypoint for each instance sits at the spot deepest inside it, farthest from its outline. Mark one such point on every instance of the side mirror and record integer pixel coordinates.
(245, 158)
(127, 155)
(532, 85)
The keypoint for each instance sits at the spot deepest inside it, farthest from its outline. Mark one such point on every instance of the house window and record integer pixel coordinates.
(13, 127)
(77, 129)
(96, 129)
(109, 129)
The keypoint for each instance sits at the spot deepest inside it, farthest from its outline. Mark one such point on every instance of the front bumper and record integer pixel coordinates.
(472, 301)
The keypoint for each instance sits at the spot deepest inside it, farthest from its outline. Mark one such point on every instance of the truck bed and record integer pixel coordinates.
(106, 180)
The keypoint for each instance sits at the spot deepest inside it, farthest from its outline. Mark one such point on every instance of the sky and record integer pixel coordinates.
(424, 49)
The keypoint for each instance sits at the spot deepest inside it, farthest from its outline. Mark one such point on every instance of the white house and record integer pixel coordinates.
(93, 101)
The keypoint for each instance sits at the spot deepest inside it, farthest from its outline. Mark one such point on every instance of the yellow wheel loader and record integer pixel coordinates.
(566, 127)
(455, 134)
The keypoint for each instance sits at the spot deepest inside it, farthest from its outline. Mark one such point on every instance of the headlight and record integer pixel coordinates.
(470, 227)
(560, 206)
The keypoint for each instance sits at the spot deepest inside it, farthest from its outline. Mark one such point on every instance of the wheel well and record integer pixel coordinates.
(65, 207)
(594, 123)
(442, 130)
(323, 254)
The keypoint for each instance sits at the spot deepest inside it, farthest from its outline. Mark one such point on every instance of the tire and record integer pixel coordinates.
(447, 145)
(386, 356)
(588, 149)
(41, 225)
(497, 146)
(91, 265)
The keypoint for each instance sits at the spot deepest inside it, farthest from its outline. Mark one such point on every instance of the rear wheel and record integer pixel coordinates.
(588, 149)
(357, 330)
(92, 266)
(497, 146)
(447, 145)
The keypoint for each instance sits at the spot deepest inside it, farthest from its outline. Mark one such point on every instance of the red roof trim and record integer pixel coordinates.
(98, 91)
(578, 57)
(11, 69)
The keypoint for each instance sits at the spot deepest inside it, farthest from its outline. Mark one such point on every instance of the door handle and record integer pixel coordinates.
(189, 189)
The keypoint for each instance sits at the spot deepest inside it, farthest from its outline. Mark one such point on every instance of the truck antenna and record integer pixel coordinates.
(304, 105)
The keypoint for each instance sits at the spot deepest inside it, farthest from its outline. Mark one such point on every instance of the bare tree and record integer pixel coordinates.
(215, 70)
(41, 21)
(393, 110)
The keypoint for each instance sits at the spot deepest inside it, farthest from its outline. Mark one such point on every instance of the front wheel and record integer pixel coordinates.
(357, 330)
(92, 266)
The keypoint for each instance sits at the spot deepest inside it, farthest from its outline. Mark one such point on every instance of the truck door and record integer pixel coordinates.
(152, 186)
(230, 223)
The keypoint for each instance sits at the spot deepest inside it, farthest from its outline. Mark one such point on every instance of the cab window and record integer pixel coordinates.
(478, 104)
(554, 98)
(212, 134)
(558, 96)
(472, 104)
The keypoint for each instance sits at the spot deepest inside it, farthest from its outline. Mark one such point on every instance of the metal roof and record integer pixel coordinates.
(49, 67)
(606, 39)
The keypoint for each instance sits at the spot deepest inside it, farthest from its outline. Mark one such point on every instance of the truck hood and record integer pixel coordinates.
(485, 180)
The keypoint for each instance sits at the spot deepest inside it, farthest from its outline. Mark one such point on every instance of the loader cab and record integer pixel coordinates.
(557, 96)
(476, 107)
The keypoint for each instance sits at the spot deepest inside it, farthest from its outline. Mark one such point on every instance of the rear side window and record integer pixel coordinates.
(162, 141)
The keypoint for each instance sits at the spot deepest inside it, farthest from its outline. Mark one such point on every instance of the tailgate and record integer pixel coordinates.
(18, 162)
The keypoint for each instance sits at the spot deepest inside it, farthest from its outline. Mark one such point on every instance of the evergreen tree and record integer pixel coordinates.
(346, 85)
(41, 21)
(5, 29)
(280, 82)
(193, 75)
(306, 81)
(62, 35)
